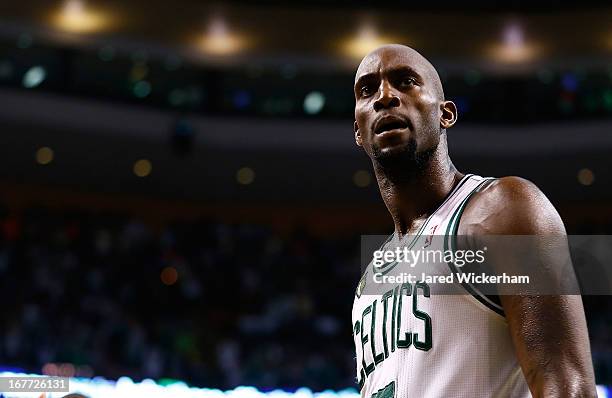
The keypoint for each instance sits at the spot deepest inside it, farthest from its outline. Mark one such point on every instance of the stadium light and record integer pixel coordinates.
(219, 40)
(142, 167)
(245, 176)
(513, 47)
(586, 177)
(142, 89)
(366, 40)
(44, 155)
(75, 17)
(314, 102)
(34, 76)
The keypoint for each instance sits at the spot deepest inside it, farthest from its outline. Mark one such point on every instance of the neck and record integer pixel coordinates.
(410, 197)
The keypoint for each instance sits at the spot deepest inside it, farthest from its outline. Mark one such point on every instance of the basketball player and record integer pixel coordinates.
(453, 346)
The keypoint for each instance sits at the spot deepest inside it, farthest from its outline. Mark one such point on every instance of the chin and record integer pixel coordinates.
(403, 149)
(402, 157)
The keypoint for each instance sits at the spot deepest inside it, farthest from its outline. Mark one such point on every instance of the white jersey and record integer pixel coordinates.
(413, 343)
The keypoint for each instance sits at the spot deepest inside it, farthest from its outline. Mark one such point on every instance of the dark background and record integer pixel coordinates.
(233, 261)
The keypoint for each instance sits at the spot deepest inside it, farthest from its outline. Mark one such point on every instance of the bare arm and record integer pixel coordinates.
(549, 332)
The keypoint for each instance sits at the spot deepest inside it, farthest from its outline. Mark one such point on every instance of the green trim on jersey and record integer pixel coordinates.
(415, 238)
(450, 241)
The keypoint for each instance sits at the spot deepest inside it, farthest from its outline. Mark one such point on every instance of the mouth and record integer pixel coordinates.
(390, 123)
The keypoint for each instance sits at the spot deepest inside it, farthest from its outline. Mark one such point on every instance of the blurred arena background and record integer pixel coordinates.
(181, 198)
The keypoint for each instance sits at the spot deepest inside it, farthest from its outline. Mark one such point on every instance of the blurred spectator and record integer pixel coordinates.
(248, 306)
(213, 304)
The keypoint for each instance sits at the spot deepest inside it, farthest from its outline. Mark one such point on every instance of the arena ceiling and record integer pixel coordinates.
(516, 35)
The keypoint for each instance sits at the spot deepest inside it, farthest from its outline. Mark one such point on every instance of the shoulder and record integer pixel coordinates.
(511, 206)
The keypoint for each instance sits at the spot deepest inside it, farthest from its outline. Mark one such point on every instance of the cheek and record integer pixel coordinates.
(359, 110)
(426, 102)
(428, 111)
(361, 116)
(427, 121)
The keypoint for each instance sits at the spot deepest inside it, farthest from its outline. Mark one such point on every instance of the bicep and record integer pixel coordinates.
(546, 319)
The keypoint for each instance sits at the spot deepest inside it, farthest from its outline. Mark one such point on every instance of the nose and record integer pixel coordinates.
(387, 98)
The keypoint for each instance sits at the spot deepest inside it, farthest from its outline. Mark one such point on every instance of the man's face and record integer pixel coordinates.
(398, 107)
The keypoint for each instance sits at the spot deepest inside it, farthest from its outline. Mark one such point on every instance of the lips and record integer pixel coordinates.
(388, 123)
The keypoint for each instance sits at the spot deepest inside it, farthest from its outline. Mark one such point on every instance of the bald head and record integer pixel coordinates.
(402, 55)
(401, 115)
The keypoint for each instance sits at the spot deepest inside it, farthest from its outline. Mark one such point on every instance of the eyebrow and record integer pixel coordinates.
(392, 71)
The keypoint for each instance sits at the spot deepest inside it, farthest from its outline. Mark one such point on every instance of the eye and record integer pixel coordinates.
(407, 81)
(365, 91)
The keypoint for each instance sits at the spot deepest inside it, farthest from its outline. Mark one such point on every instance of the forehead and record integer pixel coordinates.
(392, 57)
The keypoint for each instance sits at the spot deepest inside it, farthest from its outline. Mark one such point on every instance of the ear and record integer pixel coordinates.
(449, 114)
(357, 134)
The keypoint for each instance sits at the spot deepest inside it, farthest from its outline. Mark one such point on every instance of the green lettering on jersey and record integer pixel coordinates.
(385, 301)
(364, 339)
(427, 344)
(403, 343)
(409, 339)
(378, 358)
(393, 319)
(361, 378)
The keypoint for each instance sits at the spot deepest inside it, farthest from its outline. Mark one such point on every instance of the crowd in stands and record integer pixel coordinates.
(210, 303)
